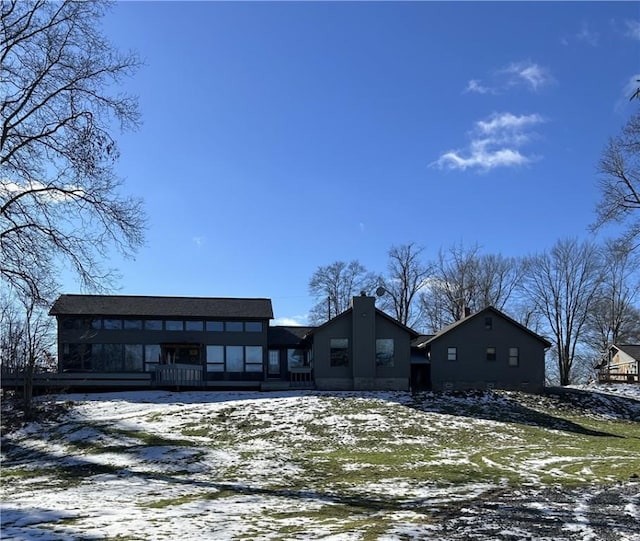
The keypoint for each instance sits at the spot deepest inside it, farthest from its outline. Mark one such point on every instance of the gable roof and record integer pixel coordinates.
(484, 311)
(131, 305)
(413, 334)
(633, 350)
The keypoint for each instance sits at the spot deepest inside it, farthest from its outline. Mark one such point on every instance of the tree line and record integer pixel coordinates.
(581, 295)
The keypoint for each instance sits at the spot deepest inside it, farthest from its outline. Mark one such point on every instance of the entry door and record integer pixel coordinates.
(273, 370)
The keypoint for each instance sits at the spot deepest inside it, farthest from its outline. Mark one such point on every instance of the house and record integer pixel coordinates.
(486, 350)
(620, 363)
(362, 349)
(168, 338)
(115, 341)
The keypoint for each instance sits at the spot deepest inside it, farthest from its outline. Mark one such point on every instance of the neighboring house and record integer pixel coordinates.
(114, 341)
(486, 350)
(620, 363)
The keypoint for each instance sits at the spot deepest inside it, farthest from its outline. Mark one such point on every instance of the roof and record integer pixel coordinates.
(633, 350)
(288, 335)
(422, 338)
(482, 312)
(141, 306)
(379, 312)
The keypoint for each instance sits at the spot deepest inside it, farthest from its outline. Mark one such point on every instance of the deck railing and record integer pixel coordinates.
(608, 377)
(183, 375)
(301, 377)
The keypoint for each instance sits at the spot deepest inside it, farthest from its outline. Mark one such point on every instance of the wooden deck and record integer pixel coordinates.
(618, 378)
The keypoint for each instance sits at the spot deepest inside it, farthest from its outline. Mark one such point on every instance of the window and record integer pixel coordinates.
(111, 358)
(253, 358)
(151, 356)
(274, 362)
(216, 326)
(295, 358)
(235, 358)
(133, 357)
(131, 324)
(491, 353)
(339, 355)
(253, 326)
(78, 356)
(215, 358)
(514, 356)
(452, 354)
(174, 325)
(488, 323)
(384, 352)
(193, 325)
(233, 326)
(96, 324)
(153, 324)
(112, 323)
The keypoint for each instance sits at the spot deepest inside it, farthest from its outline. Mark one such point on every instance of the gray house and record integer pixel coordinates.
(486, 350)
(362, 349)
(186, 339)
(112, 341)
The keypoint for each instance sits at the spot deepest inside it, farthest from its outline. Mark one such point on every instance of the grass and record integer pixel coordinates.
(341, 464)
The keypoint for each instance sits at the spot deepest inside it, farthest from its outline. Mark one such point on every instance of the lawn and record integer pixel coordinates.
(339, 466)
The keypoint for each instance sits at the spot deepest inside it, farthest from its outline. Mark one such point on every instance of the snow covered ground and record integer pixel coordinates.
(333, 466)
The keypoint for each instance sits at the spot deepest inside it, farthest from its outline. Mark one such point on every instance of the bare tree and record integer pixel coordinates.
(464, 279)
(614, 317)
(563, 284)
(619, 182)
(26, 342)
(406, 277)
(59, 195)
(334, 285)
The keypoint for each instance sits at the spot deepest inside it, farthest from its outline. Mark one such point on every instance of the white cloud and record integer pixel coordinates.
(474, 85)
(633, 29)
(41, 191)
(529, 74)
(296, 321)
(587, 35)
(198, 241)
(525, 73)
(495, 143)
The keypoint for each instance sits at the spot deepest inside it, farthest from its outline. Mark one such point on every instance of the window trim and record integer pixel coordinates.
(452, 353)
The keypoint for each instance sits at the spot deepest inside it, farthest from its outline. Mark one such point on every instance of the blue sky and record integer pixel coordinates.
(279, 137)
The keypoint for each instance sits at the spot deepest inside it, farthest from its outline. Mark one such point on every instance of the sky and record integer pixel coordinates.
(278, 137)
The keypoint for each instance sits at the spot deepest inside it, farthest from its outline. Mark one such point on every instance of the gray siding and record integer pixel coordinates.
(362, 325)
(472, 370)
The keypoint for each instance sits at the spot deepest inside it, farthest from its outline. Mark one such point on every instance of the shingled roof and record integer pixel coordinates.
(140, 306)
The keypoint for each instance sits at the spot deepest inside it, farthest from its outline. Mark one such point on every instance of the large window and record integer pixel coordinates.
(235, 358)
(77, 356)
(133, 357)
(215, 358)
(452, 354)
(514, 356)
(253, 358)
(111, 323)
(111, 358)
(339, 355)
(151, 356)
(296, 358)
(384, 352)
